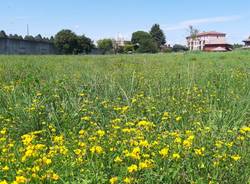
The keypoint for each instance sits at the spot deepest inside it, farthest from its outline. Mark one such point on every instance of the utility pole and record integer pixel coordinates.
(28, 31)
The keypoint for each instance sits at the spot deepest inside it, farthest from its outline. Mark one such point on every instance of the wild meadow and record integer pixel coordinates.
(132, 119)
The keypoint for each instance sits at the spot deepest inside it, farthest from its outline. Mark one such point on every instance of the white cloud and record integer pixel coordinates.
(77, 26)
(196, 22)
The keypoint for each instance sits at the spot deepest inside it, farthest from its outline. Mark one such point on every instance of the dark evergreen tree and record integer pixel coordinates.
(3, 34)
(39, 38)
(158, 35)
(29, 38)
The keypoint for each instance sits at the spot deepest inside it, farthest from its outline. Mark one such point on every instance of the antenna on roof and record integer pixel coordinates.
(28, 31)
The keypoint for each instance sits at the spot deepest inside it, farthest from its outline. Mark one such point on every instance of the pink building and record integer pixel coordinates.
(209, 41)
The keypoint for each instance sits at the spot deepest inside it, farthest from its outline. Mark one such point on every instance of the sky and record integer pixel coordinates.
(99, 19)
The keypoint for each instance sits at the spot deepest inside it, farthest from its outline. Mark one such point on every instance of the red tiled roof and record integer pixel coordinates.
(210, 33)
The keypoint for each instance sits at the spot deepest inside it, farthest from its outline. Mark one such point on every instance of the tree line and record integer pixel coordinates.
(68, 42)
(27, 37)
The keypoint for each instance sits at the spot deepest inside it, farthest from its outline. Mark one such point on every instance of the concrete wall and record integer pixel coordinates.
(14, 46)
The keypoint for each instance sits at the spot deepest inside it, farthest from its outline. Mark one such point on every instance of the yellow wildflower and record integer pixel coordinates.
(3, 131)
(127, 180)
(146, 164)
(55, 176)
(101, 133)
(178, 118)
(187, 143)
(176, 156)
(117, 159)
(77, 151)
(81, 132)
(20, 179)
(46, 160)
(165, 116)
(85, 118)
(5, 168)
(164, 152)
(132, 168)
(200, 151)
(177, 140)
(113, 180)
(244, 129)
(3, 182)
(96, 149)
(235, 157)
(144, 143)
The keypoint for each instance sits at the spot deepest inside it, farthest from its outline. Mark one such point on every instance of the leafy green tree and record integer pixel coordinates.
(66, 42)
(139, 36)
(85, 44)
(128, 48)
(143, 42)
(158, 35)
(106, 45)
(148, 46)
(3, 34)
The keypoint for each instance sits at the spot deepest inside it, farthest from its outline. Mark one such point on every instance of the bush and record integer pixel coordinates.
(179, 48)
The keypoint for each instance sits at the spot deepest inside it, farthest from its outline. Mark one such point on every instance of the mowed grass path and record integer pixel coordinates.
(165, 118)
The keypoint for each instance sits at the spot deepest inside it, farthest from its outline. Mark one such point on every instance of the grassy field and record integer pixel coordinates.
(166, 118)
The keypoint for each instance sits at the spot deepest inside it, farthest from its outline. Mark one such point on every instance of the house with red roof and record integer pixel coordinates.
(209, 41)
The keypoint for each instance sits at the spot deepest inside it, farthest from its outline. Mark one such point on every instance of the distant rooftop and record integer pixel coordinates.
(247, 40)
(210, 33)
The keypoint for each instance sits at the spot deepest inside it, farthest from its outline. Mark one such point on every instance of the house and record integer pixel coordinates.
(208, 41)
(247, 43)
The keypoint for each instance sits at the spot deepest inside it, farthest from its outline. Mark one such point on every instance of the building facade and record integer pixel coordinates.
(17, 46)
(208, 41)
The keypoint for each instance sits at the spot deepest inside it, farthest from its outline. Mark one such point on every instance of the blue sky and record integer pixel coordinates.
(107, 18)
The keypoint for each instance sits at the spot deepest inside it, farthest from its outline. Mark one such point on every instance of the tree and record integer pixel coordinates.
(179, 48)
(30, 38)
(39, 38)
(85, 44)
(3, 34)
(158, 35)
(20, 37)
(128, 48)
(143, 42)
(237, 46)
(139, 36)
(106, 45)
(148, 46)
(66, 42)
(52, 39)
(193, 32)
